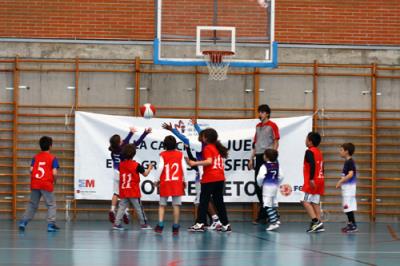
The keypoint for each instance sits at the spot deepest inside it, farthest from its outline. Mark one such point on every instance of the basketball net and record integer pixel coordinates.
(217, 67)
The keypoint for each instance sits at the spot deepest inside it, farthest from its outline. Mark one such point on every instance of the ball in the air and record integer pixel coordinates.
(147, 110)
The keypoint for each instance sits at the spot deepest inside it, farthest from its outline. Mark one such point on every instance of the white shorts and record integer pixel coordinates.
(198, 191)
(116, 182)
(312, 198)
(349, 203)
(270, 196)
(176, 200)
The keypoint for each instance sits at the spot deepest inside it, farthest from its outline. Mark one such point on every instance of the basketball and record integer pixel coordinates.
(147, 110)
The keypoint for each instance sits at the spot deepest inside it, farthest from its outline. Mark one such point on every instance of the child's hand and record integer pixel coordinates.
(312, 184)
(150, 167)
(339, 183)
(133, 130)
(251, 166)
(167, 126)
(148, 130)
(193, 120)
(191, 163)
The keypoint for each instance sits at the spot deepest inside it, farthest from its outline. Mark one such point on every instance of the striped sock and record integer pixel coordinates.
(272, 215)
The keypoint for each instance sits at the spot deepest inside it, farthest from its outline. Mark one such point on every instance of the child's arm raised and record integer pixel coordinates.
(141, 138)
(176, 132)
(126, 140)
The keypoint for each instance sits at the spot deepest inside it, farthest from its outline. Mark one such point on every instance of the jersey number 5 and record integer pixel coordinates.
(41, 170)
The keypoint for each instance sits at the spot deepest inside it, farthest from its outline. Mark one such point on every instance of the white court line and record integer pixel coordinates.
(205, 250)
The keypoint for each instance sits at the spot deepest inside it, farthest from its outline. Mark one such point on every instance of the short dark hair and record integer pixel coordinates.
(115, 141)
(45, 143)
(315, 138)
(170, 143)
(271, 154)
(128, 151)
(264, 108)
(349, 147)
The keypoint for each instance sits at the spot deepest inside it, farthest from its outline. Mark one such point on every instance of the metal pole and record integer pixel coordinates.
(315, 95)
(373, 125)
(137, 85)
(15, 137)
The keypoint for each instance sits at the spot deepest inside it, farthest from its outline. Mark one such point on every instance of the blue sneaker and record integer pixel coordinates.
(118, 227)
(52, 228)
(22, 225)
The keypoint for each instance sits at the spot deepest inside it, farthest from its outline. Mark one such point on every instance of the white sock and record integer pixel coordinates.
(113, 208)
(127, 211)
(215, 218)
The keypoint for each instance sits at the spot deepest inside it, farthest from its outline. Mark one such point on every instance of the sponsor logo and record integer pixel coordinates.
(180, 126)
(86, 183)
(285, 190)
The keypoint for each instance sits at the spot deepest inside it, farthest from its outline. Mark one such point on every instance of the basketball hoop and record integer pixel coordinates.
(217, 67)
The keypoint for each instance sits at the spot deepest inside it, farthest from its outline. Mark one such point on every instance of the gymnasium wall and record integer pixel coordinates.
(356, 22)
(336, 84)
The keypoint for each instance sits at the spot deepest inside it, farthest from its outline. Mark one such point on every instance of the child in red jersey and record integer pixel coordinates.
(129, 186)
(212, 181)
(43, 177)
(313, 181)
(171, 181)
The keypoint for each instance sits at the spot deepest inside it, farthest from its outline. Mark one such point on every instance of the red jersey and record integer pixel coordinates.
(42, 171)
(215, 171)
(171, 178)
(318, 173)
(129, 179)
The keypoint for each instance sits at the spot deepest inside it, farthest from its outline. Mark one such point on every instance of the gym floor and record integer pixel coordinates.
(95, 243)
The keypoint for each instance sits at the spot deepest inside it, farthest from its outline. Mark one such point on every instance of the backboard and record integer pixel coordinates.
(184, 29)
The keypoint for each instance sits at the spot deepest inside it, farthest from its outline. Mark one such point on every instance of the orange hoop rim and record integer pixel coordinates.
(217, 56)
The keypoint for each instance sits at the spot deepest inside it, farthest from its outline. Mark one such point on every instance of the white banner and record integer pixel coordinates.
(93, 165)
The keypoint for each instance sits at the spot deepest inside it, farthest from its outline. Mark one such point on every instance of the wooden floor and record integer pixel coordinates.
(94, 243)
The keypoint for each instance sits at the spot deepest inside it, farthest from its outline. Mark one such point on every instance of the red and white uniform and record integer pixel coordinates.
(318, 173)
(215, 171)
(42, 177)
(129, 179)
(173, 169)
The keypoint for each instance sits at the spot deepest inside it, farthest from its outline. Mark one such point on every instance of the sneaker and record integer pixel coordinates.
(278, 222)
(118, 227)
(52, 228)
(315, 227)
(214, 225)
(158, 229)
(321, 229)
(175, 230)
(111, 216)
(197, 227)
(145, 227)
(272, 227)
(344, 229)
(351, 229)
(125, 218)
(22, 225)
(224, 228)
